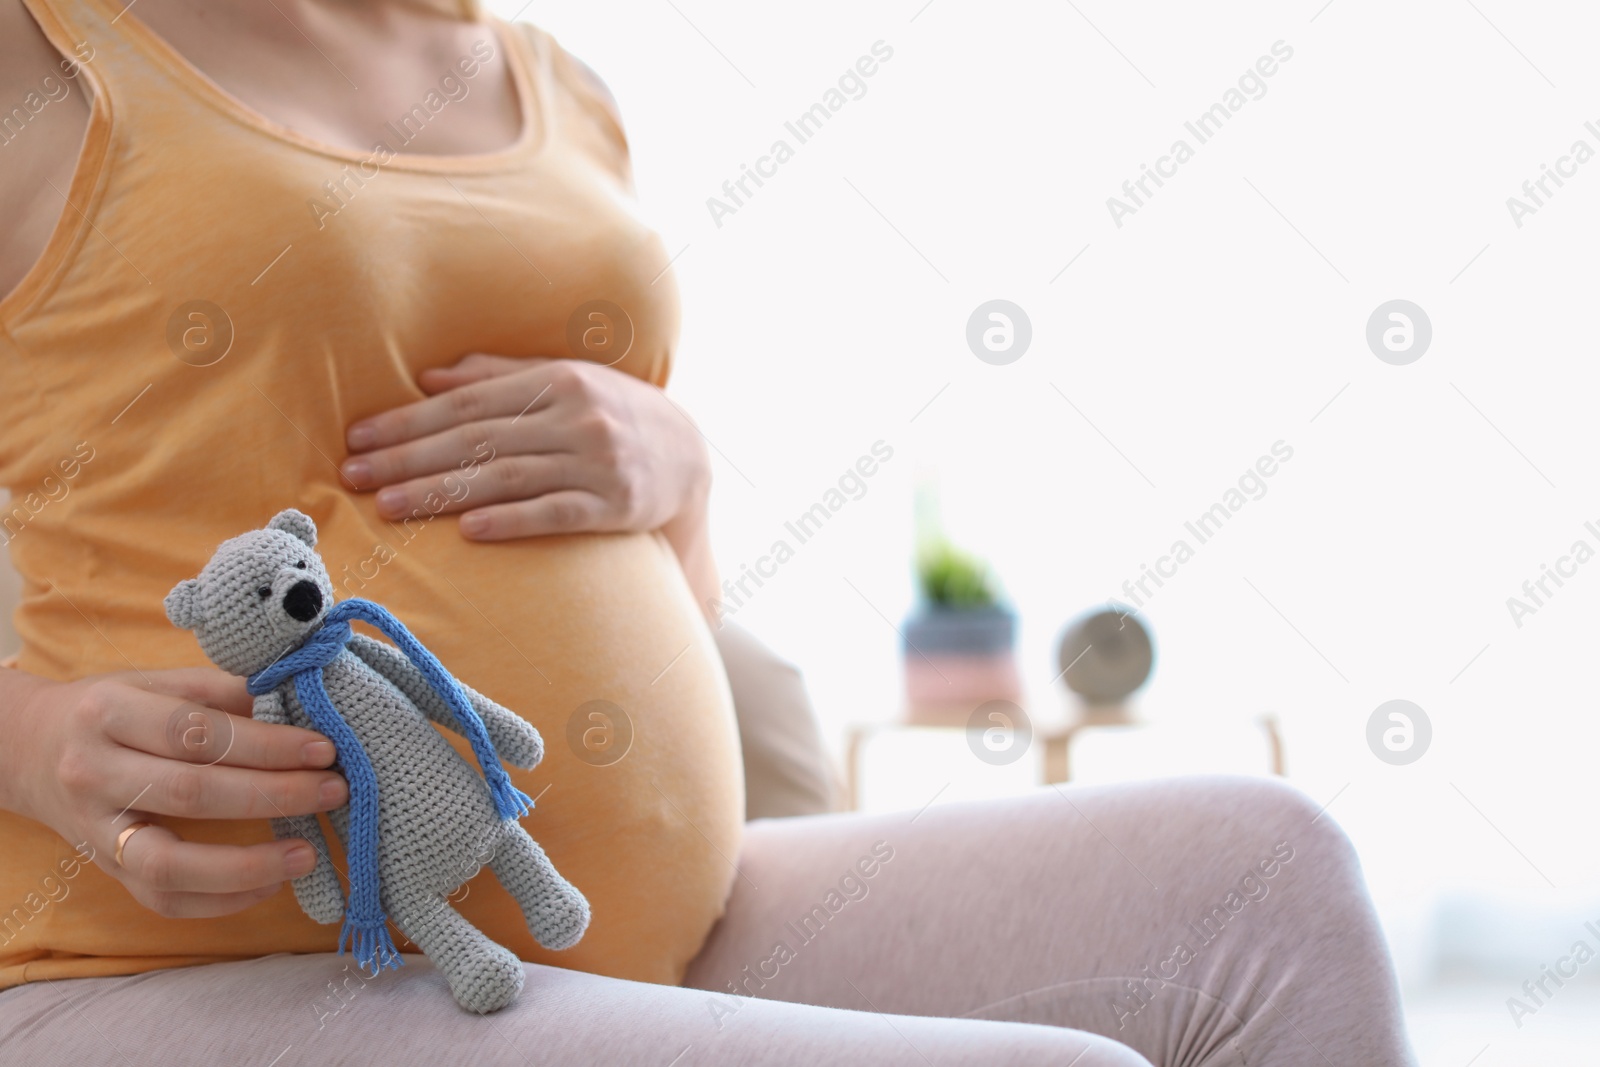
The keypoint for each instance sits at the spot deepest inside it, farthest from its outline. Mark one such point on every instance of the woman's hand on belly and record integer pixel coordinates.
(90, 757)
(523, 447)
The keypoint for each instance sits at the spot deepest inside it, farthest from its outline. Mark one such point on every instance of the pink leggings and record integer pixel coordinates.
(1195, 921)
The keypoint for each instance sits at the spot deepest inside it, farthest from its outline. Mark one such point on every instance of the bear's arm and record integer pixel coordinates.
(318, 890)
(514, 738)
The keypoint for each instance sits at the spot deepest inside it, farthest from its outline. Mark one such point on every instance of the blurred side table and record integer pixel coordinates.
(1105, 657)
(1057, 746)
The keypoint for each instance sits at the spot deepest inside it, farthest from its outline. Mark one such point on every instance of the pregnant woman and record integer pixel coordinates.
(379, 261)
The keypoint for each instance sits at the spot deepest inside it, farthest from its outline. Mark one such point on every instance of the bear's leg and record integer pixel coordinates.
(483, 976)
(556, 913)
(318, 890)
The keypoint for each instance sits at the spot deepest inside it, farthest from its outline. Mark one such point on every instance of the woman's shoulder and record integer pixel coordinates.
(579, 81)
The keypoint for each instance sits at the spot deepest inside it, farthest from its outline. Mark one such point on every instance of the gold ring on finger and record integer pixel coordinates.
(127, 832)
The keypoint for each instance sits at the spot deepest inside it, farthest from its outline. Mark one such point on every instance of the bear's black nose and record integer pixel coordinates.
(303, 601)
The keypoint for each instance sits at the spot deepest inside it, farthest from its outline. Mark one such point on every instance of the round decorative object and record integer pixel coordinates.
(1106, 656)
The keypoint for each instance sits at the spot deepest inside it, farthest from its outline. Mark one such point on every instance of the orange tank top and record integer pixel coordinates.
(222, 298)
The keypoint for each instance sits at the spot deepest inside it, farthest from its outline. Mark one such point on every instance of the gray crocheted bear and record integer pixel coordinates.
(421, 820)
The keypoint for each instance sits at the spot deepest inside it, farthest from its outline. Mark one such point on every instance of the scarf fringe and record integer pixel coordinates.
(370, 944)
(509, 801)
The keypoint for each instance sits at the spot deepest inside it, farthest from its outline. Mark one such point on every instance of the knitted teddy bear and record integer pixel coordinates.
(420, 820)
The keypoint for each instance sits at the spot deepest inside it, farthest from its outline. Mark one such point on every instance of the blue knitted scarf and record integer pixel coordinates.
(364, 920)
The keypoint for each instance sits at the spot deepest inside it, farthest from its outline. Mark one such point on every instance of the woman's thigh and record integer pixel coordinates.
(290, 1011)
(1202, 921)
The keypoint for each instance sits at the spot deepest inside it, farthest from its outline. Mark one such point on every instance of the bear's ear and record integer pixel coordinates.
(297, 523)
(183, 604)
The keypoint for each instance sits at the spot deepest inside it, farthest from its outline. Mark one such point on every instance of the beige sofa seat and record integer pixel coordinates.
(787, 769)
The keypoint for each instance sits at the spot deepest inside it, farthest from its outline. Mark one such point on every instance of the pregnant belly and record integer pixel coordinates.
(639, 800)
(595, 639)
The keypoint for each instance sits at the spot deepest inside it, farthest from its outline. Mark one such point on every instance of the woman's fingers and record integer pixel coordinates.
(477, 401)
(474, 368)
(162, 862)
(203, 685)
(575, 447)
(460, 452)
(507, 478)
(170, 787)
(194, 733)
(564, 511)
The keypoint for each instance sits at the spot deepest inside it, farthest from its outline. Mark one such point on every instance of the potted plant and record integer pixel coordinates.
(959, 645)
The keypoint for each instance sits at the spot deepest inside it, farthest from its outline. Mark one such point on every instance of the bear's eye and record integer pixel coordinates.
(264, 592)
(301, 564)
